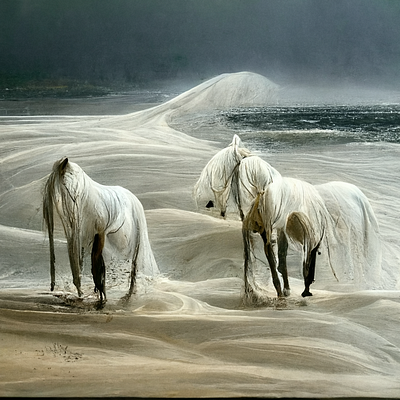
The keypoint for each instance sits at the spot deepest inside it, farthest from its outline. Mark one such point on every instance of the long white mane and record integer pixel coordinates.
(215, 181)
(254, 177)
(233, 177)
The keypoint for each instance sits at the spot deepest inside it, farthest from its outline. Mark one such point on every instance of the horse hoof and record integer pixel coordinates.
(286, 292)
(306, 293)
(100, 304)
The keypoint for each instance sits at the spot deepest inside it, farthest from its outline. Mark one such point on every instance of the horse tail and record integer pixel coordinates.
(330, 263)
(143, 252)
(48, 216)
(143, 257)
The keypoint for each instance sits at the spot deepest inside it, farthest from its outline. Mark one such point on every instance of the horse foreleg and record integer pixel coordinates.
(52, 261)
(309, 273)
(74, 261)
(282, 267)
(269, 252)
(98, 266)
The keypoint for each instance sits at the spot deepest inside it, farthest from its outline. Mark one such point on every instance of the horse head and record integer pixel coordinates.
(215, 182)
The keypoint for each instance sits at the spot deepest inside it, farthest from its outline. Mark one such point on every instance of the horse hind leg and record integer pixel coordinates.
(98, 265)
(248, 290)
(269, 252)
(74, 261)
(132, 286)
(309, 273)
(282, 267)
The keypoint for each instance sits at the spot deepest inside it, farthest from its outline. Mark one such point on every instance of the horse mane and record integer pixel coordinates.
(58, 194)
(255, 175)
(216, 178)
(253, 220)
(61, 191)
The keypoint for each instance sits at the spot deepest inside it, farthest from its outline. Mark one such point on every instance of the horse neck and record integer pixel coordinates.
(77, 195)
(253, 178)
(89, 196)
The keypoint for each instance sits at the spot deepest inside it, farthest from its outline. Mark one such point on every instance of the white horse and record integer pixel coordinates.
(337, 212)
(95, 215)
(270, 211)
(335, 216)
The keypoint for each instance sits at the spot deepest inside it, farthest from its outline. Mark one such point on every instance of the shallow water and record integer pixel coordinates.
(112, 104)
(277, 128)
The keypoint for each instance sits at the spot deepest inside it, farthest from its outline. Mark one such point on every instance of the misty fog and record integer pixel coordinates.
(291, 41)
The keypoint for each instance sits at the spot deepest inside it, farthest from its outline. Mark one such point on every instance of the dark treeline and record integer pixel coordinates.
(141, 40)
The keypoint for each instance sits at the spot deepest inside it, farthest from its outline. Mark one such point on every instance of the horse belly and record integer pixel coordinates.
(122, 241)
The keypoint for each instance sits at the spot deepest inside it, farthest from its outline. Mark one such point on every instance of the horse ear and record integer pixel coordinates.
(63, 164)
(236, 144)
(236, 141)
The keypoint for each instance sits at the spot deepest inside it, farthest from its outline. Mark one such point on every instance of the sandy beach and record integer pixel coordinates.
(186, 332)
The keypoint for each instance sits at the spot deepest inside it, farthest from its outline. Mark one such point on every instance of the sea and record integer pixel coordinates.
(294, 122)
(282, 128)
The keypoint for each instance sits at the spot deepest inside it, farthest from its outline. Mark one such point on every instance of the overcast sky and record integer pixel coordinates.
(141, 40)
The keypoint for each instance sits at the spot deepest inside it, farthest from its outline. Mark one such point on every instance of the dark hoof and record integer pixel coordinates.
(100, 304)
(306, 293)
(126, 298)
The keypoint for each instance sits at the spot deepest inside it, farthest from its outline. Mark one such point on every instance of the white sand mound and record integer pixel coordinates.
(241, 89)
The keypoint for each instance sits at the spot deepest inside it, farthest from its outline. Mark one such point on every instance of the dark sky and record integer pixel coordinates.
(142, 40)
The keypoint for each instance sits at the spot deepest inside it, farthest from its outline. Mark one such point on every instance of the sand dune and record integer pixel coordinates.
(186, 332)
